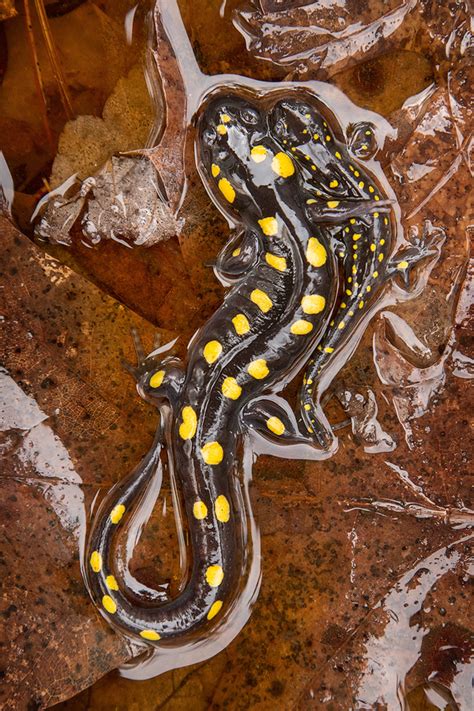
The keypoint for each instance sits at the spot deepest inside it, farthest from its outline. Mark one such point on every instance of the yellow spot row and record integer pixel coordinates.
(221, 508)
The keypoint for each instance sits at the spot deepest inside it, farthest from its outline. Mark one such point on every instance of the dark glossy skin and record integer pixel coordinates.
(315, 232)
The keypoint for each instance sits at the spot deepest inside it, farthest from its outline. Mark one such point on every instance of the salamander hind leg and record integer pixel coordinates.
(159, 375)
(274, 420)
(313, 419)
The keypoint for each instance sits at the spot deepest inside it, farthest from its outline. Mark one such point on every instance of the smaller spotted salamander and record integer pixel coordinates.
(310, 259)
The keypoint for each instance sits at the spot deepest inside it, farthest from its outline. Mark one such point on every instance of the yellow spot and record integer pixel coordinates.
(222, 509)
(117, 513)
(372, 247)
(349, 281)
(341, 325)
(361, 184)
(307, 157)
(187, 429)
(215, 170)
(402, 265)
(368, 289)
(328, 349)
(231, 389)
(343, 305)
(313, 167)
(301, 327)
(385, 220)
(376, 198)
(311, 201)
(333, 183)
(226, 189)
(380, 257)
(305, 130)
(361, 304)
(348, 291)
(236, 252)
(333, 203)
(313, 304)
(328, 138)
(382, 242)
(282, 165)
(354, 269)
(212, 351)
(356, 173)
(262, 300)
(351, 167)
(241, 324)
(371, 189)
(111, 582)
(150, 634)
(225, 118)
(307, 407)
(351, 313)
(96, 561)
(221, 129)
(214, 609)
(214, 575)
(269, 226)
(258, 369)
(316, 253)
(293, 149)
(355, 247)
(109, 604)
(258, 154)
(156, 379)
(276, 262)
(375, 275)
(307, 115)
(352, 220)
(376, 214)
(316, 136)
(338, 155)
(368, 133)
(199, 510)
(212, 453)
(310, 381)
(356, 236)
(275, 425)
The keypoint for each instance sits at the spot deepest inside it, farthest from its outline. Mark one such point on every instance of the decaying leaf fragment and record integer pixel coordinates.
(122, 202)
(7, 9)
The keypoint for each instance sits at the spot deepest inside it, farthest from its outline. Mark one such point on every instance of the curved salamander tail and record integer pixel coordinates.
(216, 552)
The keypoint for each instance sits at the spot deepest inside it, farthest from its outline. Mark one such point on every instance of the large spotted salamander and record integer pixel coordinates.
(310, 259)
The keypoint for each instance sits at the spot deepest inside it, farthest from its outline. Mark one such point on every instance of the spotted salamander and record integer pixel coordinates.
(306, 265)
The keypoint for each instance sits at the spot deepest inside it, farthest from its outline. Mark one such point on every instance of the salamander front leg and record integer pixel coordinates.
(159, 375)
(407, 260)
(237, 257)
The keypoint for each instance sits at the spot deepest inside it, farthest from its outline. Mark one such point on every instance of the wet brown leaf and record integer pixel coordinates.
(68, 422)
(367, 557)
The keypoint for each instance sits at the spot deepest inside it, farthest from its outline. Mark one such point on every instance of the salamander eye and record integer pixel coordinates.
(250, 117)
(209, 136)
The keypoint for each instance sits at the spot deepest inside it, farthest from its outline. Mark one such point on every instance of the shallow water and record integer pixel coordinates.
(365, 557)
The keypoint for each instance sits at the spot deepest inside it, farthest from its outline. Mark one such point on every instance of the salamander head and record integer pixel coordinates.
(233, 144)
